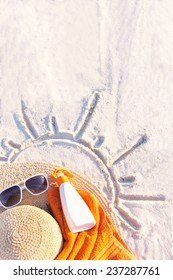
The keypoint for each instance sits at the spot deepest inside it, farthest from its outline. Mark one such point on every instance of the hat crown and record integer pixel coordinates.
(29, 233)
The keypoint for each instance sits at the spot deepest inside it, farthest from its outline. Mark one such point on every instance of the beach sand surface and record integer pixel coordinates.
(88, 85)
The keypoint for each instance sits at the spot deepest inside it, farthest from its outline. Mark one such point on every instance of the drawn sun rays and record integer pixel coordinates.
(91, 149)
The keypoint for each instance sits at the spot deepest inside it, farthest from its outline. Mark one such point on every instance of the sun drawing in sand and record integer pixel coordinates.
(68, 142)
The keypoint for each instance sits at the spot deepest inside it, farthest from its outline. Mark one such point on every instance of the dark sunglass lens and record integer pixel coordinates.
(36, 184)
(11, 196)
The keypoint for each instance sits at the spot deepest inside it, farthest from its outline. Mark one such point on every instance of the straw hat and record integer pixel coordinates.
(29, 233)
(16, 172)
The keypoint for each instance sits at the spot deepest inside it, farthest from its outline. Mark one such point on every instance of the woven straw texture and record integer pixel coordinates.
(16, 172)
(29, 233)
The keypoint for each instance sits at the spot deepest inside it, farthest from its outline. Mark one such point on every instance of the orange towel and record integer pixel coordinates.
(102, 242)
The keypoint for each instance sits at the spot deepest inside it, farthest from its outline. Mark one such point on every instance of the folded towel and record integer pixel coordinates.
(102, 242)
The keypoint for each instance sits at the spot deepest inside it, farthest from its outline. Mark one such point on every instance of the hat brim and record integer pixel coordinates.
(16, 172)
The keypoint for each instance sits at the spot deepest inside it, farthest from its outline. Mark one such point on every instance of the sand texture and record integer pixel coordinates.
(88, 85)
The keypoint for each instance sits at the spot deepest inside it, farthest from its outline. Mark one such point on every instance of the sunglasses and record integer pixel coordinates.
(12, 196)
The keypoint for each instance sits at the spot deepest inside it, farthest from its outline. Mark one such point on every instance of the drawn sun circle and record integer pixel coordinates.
(72, 150)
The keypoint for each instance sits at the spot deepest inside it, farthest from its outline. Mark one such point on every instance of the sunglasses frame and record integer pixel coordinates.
(22, 186)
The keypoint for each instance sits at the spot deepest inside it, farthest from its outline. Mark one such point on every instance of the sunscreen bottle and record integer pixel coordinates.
(77, 214)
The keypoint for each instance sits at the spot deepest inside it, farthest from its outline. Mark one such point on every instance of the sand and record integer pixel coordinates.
(88, 85)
